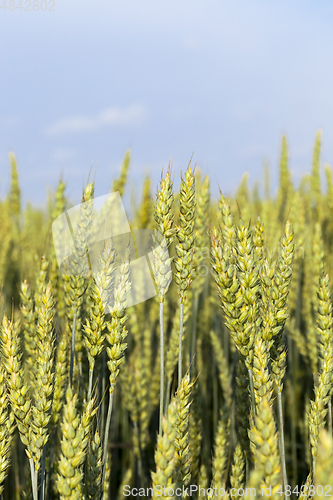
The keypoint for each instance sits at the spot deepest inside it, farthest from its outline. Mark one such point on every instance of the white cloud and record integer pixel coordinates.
(113, 116)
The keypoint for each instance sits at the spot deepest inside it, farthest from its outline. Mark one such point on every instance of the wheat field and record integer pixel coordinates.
(218, 386)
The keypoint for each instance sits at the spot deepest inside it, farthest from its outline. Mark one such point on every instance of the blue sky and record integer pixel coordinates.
(220, 79)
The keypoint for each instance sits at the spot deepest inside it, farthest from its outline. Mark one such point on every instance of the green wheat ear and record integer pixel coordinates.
(221, 452)
(165, 452)
(182, 444)
(237, 278)
(263, 386)
(228, 223)
(7, 427)
(95, 325)
(264, 442)
(163, 234)
(184, 271)
(60, 377)
(44, 383)
(248, 278)
(237, 476)
(28, 323)
(15, 192)
(315, 179)
(286, 188)
(323, 389)
(120, 183)
(145, 212)
(74, 441)
(18, 390)
(202, 240)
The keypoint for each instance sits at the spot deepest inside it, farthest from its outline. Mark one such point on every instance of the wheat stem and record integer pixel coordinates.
(91, 375)
(72, 350)
(106, 438)
(253, 400)
(33, 483)
(330, 418)
(181, 325)
(42, 481)
(162, 367)
(167, 396)
(194, 327)
(282, 446)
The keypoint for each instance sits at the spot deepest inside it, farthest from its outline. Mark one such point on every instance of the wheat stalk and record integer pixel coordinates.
(115, 336)
(161, 265)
